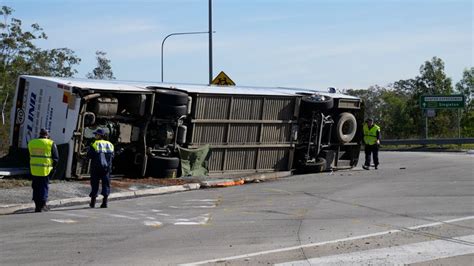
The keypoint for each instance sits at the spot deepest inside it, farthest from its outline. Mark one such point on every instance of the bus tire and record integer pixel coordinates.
(320, 165)
(317, 102)
(162, 167)
(316, 167)
(172, 110)
(346, 127)
(166, 173)
(171, 97)
(164, 162)
(311, 103)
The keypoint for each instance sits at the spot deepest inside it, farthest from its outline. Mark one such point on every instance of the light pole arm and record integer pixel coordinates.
(172, 34)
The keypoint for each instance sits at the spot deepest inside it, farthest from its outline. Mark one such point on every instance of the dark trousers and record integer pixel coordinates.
(374, 150)
(40, 185)
(95, 180)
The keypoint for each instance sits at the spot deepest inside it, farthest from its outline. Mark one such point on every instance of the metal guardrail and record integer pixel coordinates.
(427, 141)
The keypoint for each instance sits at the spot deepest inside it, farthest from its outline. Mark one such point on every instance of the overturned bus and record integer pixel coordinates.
(234, 129)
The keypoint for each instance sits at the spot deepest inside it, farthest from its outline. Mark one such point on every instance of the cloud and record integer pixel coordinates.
(268, 18)
(343, 62)
(152, 48)
(131, 26)
(98, 31)
(308, 49)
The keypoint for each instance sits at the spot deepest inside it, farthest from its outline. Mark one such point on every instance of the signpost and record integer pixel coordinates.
(430, 102)
(430, 112)
(442, 101)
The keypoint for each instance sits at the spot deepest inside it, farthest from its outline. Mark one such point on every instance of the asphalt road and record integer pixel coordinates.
(418, 208)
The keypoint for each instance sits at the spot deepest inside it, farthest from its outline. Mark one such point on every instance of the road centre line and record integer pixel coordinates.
(396, 255)
(202, 200)
(64, 221)
(153, 223)
(328, 242)
(123, 216)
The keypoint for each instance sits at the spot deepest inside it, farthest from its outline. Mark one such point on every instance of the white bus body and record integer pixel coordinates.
(248, 129)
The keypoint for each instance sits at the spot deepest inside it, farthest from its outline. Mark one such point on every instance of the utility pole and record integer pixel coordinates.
(210, 42)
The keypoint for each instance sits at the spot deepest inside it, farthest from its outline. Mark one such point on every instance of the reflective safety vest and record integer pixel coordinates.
(41, 160)
(370, 135)
(103, 146)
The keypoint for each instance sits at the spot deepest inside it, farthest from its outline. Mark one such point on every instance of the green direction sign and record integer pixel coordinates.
(442, 101)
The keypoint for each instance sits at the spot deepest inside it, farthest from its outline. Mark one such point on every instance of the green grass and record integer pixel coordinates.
(447, 147)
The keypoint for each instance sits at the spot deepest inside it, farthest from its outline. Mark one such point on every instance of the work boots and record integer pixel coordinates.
(104, 202)
(92, 204)
(44, 207)
(38, 206)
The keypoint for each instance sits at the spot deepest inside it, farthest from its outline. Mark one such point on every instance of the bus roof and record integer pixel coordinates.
(143, 86)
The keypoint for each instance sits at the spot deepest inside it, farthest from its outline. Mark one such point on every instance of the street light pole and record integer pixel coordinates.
(210, 42)
(172, 34)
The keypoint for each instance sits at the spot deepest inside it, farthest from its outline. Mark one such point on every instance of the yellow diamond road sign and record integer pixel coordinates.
(223, 80)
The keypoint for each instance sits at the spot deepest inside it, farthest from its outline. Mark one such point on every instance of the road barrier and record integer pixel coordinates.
(427, 141)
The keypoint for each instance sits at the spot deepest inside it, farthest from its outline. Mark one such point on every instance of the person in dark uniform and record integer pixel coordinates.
(43, 160)
(101, 154)
(372, 143)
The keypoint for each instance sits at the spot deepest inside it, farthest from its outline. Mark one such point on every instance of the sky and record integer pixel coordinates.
(291, 43)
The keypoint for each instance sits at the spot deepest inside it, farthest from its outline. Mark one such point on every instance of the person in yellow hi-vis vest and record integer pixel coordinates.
(372, 143)
(101, 154)
(43, 160)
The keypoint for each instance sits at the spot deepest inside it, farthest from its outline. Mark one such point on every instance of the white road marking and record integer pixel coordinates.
(136, 212)
(203, 206)
(194, 207)
(327, 242)
(152, 223)
(203, 200)
(200, 220)
(71, 214)
(187, 223)
(123, 216)
(64, 221)
(399, 255)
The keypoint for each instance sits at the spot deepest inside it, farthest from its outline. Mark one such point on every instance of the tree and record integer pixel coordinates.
(388, 106)
(395, 119)
(371, 99)
(57, 62)
(19, 55)
(103, 69)
(397, 109)
(432, 80)
(466, 87)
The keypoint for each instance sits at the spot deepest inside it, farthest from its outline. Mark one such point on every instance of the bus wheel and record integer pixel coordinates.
(171, 97)
(316, 167)
(172, 110)
(312, 103)
(159, 166)
(318, 102)
(346, 127)
(164, 162)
